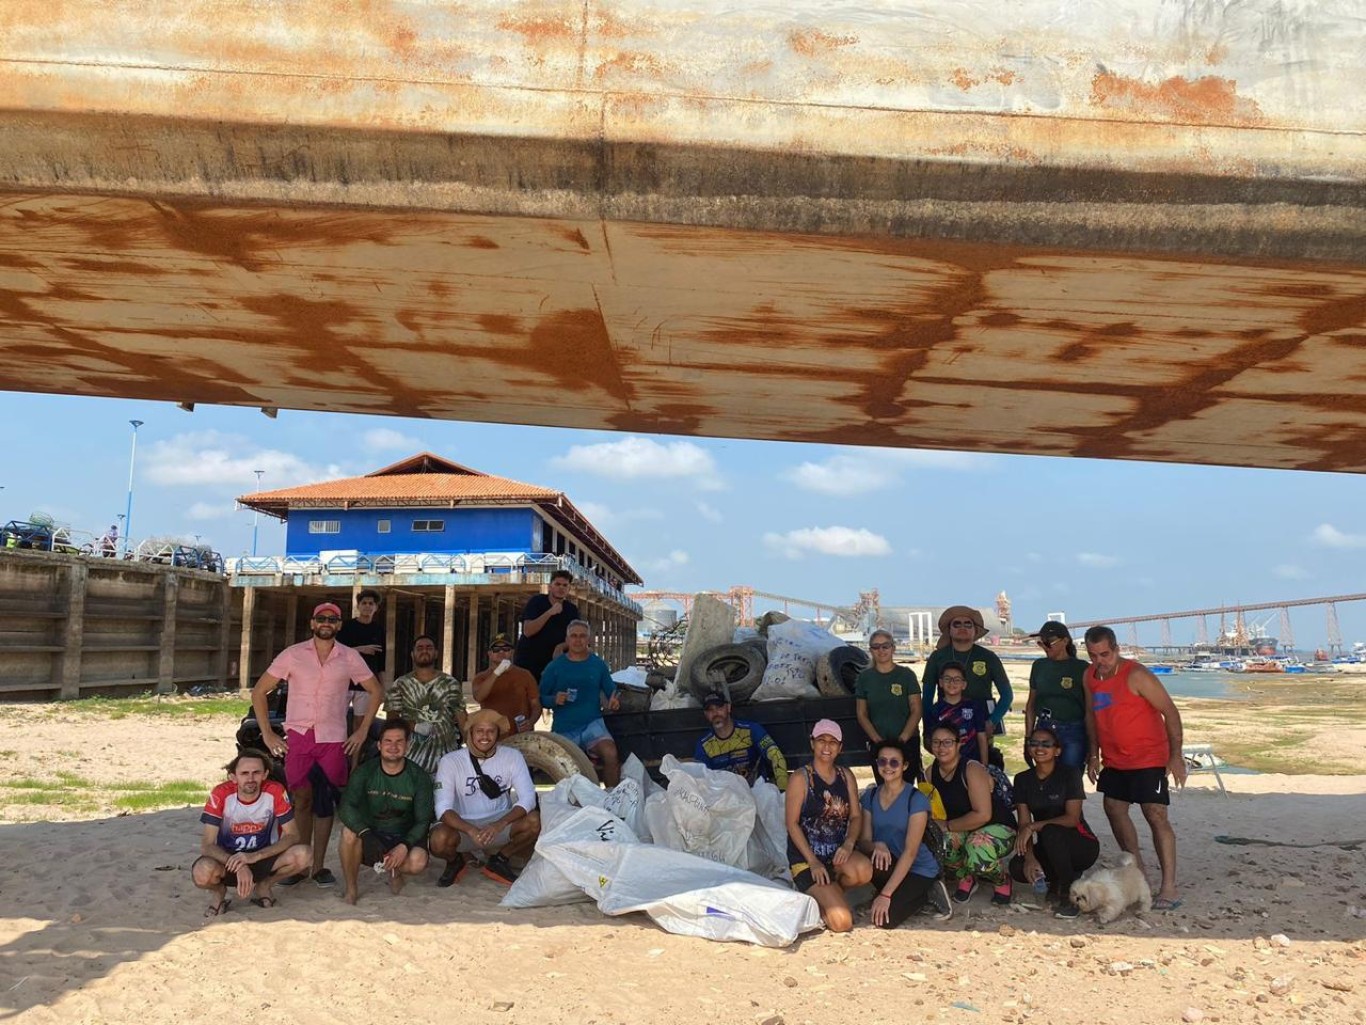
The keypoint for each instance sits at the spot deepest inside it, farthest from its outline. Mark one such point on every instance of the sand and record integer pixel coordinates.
(101, 923)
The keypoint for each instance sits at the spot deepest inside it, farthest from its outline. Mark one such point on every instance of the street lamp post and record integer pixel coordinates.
(256, 519)
(128, 512)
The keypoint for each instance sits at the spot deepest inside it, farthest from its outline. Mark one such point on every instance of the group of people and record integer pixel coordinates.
(914, 834)
(444, 784)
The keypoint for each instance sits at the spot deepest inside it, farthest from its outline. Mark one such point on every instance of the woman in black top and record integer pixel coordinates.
(1054, 843)
(979, 834)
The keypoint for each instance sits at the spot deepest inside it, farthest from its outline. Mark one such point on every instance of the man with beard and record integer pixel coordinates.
(475, 805)
(319, 672)
(960, 628)
(508, 689)
(739, 746)
(386, 812)
(249, 838)
(433, 702)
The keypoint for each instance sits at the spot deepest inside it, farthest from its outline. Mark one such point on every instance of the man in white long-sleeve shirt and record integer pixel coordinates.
(485, 802)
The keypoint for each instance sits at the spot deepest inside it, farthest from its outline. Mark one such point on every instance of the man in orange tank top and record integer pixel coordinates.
(1136, 729)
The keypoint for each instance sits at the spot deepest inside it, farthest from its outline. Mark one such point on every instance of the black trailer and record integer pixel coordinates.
(652, 735)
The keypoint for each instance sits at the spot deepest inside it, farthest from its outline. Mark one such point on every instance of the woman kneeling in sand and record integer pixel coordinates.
(979, 833)
(823, 825)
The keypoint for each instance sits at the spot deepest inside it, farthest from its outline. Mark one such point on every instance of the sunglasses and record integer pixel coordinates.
(958, 624)
(1042, 743)
(881, 647)
(501, 647)
(889, 763)
(1049, 642)
(327, 619)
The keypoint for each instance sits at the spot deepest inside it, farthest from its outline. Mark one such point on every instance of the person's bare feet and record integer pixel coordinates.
(350, 896)
(396, 881)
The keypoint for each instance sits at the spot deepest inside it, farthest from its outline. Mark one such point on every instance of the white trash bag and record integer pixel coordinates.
(549, 879)
(712, 812)
(767, 851)
(793, 647)
(691, 896)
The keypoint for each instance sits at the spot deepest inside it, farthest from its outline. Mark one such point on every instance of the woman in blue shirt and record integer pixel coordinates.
(905, 873)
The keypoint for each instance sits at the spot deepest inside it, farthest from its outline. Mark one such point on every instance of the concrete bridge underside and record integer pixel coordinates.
(1136, 232)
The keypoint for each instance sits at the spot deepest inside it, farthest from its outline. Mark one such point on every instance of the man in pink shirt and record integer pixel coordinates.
(319, 673)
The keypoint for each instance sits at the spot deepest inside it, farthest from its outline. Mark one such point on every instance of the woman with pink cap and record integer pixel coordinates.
(824, 821)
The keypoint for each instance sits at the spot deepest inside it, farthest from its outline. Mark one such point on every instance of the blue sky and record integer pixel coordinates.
(1091, 538)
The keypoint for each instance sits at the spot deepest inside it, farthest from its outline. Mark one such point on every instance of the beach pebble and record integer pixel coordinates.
(1280, 940)
(1192, 1014)
(1006, 930)
(773, 1019)
(790, 982)
(1280, 986)
(1120, 967)
(1077, 942)
(501, 1005)
(1261, 943)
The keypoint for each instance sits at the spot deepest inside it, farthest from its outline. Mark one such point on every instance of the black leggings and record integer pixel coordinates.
(906, 898)
(1064, 852)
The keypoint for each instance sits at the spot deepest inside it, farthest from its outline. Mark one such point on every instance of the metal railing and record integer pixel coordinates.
(489, 564)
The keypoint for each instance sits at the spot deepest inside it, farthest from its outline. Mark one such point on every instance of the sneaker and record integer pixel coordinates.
(1067, 910)
(324, 877)
(937, 901)
(500, 870)
(965, 890)
(455, 868)
(292, 880)
(1001, 896)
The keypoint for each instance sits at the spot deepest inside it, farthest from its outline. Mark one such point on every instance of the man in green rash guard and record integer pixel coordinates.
(960, 628)
(386, 811)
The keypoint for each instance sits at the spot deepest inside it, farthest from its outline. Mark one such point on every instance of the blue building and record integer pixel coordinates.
(456, 552)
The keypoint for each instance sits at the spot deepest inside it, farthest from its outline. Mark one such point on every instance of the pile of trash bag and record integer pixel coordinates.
(705, 857)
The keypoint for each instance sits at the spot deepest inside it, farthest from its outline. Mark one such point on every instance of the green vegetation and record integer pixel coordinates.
(153, 704)
(72, 793)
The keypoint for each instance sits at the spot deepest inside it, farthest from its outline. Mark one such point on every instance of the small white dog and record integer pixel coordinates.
(1108, 891)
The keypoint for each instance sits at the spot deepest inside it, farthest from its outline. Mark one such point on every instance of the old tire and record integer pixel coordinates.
(552, 756)
(740, 665)
(837, 670)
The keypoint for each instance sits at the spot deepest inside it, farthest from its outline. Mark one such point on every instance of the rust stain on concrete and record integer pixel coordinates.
(815, 43)
(1206, 100)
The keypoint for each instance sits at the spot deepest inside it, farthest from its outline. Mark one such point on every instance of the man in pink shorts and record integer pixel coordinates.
(319, 672)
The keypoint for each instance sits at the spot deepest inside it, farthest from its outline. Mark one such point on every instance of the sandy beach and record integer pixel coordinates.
(101, 922)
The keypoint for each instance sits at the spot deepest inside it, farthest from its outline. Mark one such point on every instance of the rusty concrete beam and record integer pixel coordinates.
(1134, 229)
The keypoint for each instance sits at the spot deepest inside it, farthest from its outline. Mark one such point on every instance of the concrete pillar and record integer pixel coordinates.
(472, 641)
(356, 589)
(222, 656)
(448, 632)
(390, 635)
(244, 678)
(170, 594)
(419, 615)
(73, 632)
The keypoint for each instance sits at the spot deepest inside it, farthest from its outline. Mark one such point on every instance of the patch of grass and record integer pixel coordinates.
(164, 795)
(151, 704)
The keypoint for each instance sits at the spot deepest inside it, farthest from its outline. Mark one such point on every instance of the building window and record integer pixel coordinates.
(324, 526)
(428, 526)
(382, 526)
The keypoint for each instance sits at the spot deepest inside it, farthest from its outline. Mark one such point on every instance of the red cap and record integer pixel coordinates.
(326, 606)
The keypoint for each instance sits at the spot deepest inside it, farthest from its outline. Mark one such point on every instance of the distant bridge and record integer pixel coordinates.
(1238, 611)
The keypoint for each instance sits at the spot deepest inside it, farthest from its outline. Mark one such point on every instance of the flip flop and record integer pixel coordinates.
(264, 902)
(221, 908)
(1166, 904)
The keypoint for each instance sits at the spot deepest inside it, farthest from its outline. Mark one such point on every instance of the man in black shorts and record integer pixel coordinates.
(250, 837)
(386, 811)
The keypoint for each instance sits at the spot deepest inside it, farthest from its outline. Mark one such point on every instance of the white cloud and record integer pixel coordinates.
(226, 462)
(1094, 560)
(673, 560)
(708, 512)
(210, 510)
(604, 516)
(1290, 571)
(386, 439)
(636, 458)
(843, 541)
(1330, 537)
(876, 468)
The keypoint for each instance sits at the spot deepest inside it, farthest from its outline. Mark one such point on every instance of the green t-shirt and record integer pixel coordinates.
(888, 696)
(403, 805)
(987, 680)
(1058, 689)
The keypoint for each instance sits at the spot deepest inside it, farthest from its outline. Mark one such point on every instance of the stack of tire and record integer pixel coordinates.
(737, 670)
